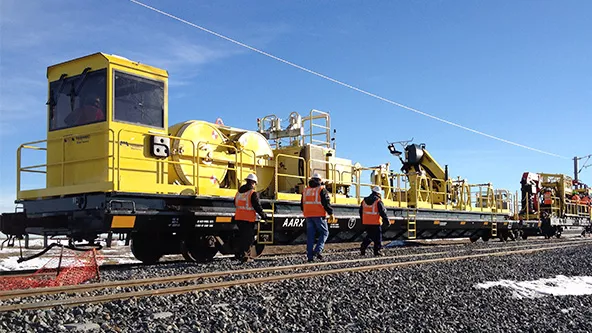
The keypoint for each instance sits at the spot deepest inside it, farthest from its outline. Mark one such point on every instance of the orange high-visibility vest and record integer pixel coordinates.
(311, 202)
(547, 199)
(370, 215)
(244, 210)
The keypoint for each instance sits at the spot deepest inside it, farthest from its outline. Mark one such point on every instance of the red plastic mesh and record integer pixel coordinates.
(75, 268)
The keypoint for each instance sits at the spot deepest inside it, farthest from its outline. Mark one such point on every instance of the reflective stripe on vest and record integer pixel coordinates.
(370, 215)
(311, 202)
(244, 210)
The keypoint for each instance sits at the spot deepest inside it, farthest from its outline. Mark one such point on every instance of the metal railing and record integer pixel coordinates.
(396, 192)
(456, 195)
(33, 145)
(325, 128)
(195, 159)
(285, 175)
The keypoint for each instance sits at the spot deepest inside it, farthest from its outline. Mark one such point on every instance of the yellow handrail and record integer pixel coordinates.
(278, 174)
(30, 145)
(238, 164)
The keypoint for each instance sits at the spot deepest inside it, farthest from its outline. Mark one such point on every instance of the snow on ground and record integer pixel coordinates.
(11, 264)
(560, 285)
(117, 254)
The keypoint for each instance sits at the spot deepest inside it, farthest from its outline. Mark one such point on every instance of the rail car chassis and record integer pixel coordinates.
(199, 227)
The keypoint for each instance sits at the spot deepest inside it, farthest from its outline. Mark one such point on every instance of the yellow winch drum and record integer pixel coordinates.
(204, 142)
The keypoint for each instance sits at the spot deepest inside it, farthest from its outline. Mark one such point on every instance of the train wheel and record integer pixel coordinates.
(144, 249)
(257, 250)
(485, 238)
(524, 236)
(199, 249)
(474, 238)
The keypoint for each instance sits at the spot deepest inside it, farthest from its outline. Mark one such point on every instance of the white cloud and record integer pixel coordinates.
(182, 58)
(35, 35)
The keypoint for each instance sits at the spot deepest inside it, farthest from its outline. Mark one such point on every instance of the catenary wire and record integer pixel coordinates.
(345, 84)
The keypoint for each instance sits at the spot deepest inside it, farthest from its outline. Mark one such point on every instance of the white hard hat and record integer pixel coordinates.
(252, 177)
(376, 189)
(316, 176)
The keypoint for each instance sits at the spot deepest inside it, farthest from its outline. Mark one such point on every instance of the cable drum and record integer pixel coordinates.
(206, 139)
(255, 151)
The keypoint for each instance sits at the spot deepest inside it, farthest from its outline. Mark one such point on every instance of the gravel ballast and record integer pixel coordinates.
(437, 297)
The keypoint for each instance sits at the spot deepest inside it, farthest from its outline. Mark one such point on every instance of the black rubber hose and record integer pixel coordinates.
(36, 255)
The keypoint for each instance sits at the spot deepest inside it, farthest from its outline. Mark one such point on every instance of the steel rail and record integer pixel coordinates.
(189, 277)
(273, 278)
(196, 276)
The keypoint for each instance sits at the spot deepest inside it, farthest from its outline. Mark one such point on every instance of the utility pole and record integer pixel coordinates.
(577, 169)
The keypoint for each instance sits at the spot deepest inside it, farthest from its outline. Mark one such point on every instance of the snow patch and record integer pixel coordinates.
(11, 264)
(560, 285)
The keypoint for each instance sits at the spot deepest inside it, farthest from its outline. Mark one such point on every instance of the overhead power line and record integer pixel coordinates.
(345, 84)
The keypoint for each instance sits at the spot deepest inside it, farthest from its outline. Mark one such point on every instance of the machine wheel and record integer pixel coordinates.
(485, 238)
(524, 236)
(143, 249)
(474, 238)
(257, 250)
(199, 249)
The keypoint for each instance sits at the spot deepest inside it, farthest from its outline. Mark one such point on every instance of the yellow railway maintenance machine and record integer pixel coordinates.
(113, 163)
(554, 204)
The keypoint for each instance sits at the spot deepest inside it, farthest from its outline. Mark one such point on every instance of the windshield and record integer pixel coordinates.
(77, 100)
(138, 100)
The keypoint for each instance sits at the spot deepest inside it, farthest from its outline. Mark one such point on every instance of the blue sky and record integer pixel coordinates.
(519, 70)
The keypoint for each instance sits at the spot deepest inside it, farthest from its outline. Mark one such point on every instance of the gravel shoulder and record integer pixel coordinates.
(437, 297)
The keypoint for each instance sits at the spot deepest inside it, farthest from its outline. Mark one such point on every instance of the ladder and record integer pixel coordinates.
(412, 223)
(493, 226)
(265, 229)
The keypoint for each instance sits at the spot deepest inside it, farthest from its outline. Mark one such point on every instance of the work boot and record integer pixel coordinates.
(362, 251)
(377, 254)
(319, 256)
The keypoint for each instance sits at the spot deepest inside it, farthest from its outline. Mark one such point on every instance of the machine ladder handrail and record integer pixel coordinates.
(265, 228)
(325, 128)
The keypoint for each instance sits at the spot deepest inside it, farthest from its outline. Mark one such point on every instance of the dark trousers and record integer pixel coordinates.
(373, 234)
(246, 232)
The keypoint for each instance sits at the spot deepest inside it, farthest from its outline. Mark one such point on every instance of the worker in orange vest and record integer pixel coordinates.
(371, 211)
(247, 206)
(315, 205)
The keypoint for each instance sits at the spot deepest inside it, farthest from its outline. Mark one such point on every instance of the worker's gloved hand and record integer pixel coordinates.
(332, 218)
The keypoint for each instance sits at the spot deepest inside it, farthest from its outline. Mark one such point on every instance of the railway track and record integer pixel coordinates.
(241, 277)
(271, 253)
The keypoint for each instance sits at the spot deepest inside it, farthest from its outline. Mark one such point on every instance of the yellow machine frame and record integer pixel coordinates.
(113, 156)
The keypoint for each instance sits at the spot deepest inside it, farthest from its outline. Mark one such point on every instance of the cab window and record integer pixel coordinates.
(138, 100)
(77, 100)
